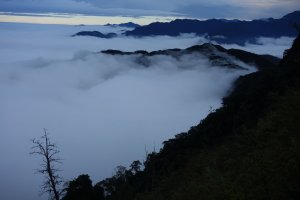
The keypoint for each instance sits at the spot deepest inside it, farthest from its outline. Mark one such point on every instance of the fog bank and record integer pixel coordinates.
(101, 110)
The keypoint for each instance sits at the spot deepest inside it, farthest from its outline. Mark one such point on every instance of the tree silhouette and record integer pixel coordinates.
(81, 188)
(49, 153)
(135, 167)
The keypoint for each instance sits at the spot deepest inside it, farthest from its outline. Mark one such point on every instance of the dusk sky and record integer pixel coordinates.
(245, 9)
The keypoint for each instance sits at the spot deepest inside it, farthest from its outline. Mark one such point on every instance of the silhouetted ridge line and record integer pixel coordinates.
(232, 31)
(215, 53)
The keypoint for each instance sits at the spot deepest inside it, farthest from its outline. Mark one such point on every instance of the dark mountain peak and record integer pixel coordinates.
(185, 20)
(291, 57)
(95, 34)
(296, 45)
(127, 25)
(215, 20)
(294, 16)
(206, 47)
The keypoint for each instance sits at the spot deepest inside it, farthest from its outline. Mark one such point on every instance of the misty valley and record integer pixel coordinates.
(187, 109)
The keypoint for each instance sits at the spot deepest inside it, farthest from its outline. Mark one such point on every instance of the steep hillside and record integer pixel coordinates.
(248, 149)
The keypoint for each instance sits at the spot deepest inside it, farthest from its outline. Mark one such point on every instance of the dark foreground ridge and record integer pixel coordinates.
(217, 55)
(247, 149)
(231, 31)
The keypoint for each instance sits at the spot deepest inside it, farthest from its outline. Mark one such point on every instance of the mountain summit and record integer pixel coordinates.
(294, 16)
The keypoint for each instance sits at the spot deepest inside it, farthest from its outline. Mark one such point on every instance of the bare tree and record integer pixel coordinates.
(49, 153)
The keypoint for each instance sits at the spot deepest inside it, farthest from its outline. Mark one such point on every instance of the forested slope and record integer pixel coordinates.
(247, 149)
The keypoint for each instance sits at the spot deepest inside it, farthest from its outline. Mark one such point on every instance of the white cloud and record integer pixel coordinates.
(271, 46)
(101, 110)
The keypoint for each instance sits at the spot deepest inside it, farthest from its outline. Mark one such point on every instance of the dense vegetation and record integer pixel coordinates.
(248, 149)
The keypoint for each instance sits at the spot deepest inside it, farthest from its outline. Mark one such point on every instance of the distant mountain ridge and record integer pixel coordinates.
(294, 16)
(126, 25)
(216, 54)
(233, 31)
(95, 34)
(108, 35)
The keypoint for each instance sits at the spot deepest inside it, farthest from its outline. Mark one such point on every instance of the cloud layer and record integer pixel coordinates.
(101, 110)
(271, 46)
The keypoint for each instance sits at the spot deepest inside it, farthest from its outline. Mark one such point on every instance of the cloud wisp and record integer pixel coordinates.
(271, 46)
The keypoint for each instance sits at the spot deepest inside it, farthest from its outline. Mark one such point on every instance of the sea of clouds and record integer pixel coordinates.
(101, 110)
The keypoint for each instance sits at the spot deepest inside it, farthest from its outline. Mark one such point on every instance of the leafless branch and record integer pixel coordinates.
(49, 153)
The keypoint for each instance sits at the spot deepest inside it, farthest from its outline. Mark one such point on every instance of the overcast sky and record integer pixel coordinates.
(246, 9)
